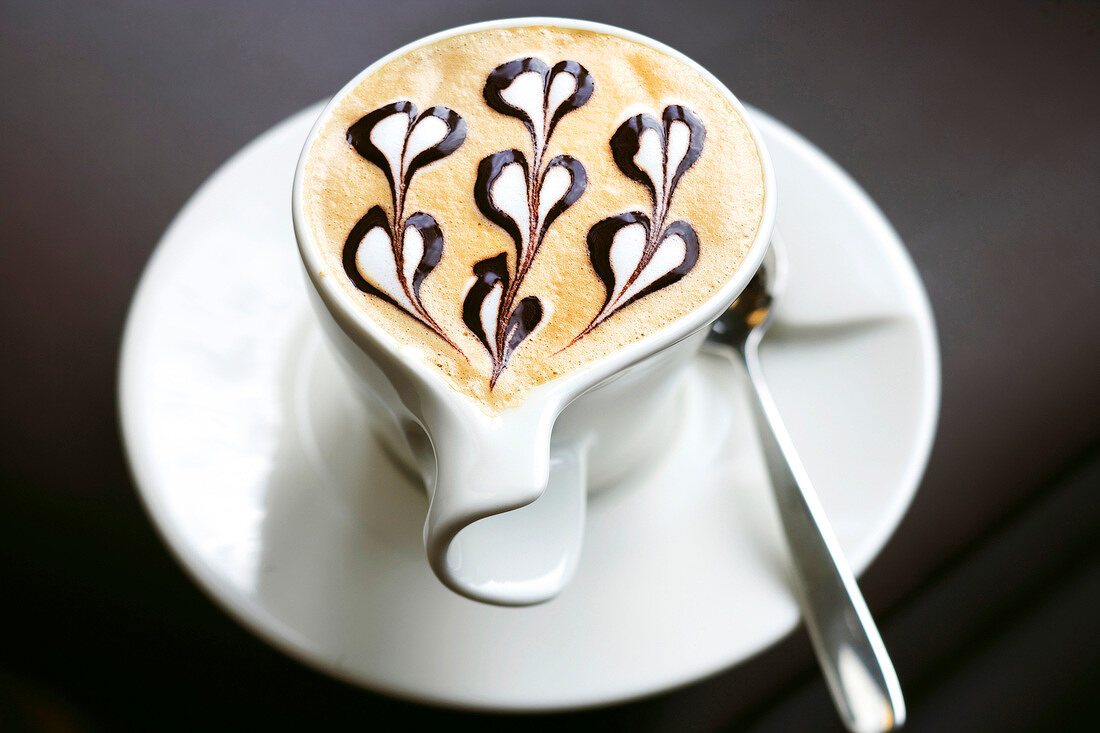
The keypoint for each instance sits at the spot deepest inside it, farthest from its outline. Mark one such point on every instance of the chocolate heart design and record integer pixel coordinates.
(394, 272)
(484, 308)
(537, 94)
(635, 255)
(524, 199)
(399, 141)
(657, 154)
(630, 266)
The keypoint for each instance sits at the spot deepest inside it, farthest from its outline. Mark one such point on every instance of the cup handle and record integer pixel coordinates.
(515, 553)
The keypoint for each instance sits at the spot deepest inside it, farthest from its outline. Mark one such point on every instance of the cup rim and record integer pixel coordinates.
(560, 391)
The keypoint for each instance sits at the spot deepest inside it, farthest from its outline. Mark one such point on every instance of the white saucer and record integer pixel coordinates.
(262, 476)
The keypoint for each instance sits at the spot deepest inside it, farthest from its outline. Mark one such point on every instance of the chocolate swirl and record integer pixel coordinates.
(635, 254)
(522, 198)
(399, 141)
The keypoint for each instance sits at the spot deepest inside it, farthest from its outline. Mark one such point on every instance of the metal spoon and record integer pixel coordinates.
(857, 670)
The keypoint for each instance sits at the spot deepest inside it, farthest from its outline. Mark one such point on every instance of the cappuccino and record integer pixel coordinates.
(511, 204)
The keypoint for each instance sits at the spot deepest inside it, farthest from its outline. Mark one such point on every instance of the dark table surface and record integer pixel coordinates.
(974, 127)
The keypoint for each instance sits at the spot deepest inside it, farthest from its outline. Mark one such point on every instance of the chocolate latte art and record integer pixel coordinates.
(511, 204)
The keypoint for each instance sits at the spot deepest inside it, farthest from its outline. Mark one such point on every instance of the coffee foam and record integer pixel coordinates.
(720, 196)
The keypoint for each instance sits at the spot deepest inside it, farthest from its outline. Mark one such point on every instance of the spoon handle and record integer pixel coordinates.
(858, 672)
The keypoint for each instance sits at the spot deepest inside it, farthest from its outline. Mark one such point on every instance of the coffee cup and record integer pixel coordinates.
(521, 349)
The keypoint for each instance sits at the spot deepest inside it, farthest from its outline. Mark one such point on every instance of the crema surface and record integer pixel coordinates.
(510, 204)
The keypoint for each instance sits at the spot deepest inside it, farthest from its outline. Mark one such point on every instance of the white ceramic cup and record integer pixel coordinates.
(507, 493)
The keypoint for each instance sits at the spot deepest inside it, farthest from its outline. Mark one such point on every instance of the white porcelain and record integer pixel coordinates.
(507, 493)
(253, 465)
